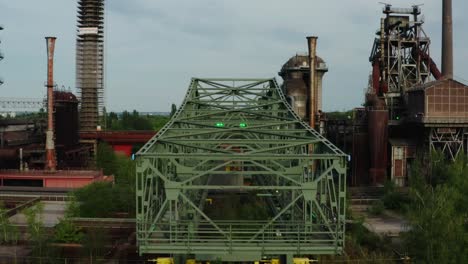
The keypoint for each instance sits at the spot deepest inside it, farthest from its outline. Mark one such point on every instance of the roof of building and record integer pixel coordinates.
(301, 62)
(435, 83)
(65, 96)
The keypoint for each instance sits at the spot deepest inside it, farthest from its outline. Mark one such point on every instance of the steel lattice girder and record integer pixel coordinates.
(239, 138)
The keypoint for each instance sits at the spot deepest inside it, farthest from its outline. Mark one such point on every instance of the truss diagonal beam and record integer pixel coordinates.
(236, 140)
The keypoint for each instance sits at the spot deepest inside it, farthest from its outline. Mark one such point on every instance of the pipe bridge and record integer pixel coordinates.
(237, 175)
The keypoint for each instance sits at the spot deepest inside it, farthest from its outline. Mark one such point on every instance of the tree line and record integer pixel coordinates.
(133, 121)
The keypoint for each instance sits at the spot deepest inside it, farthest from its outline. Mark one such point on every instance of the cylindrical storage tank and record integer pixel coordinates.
(296, 92)
(295, 85)
(295, 73)
(378, 138)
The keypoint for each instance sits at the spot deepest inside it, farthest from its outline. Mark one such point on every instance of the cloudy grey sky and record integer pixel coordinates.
(154, 47)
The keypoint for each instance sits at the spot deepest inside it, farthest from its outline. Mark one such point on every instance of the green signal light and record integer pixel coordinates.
(242, 125)
(219, 124)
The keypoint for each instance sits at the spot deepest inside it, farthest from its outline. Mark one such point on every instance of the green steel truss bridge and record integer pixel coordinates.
(237, 174)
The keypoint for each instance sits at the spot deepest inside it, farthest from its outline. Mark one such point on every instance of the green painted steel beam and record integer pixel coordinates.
(233, 140)
(242, 156)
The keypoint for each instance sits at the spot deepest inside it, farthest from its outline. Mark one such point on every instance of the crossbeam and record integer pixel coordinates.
(233, 173)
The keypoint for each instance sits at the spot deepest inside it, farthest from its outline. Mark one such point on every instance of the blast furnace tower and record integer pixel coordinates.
(90, 62)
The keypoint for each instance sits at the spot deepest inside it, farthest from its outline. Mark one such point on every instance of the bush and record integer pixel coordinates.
(377, 207)
(66, 232)
(393, 199)
(438, 231)
(120, 166)
(360, 241)
(103, 199)
(106, 159)
(8, 232)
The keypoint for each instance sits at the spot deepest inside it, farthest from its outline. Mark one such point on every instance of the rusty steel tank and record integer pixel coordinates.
(377, 115)
(360, 149)
(66, 119)
(295, 74)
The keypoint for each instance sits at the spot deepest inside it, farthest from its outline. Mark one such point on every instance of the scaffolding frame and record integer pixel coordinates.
(90, 62)
(402, 51)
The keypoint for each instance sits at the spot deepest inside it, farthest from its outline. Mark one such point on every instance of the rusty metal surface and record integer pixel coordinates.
(7, 154)
(378, 130)
(312, 45)
(360, 160)
(296, 92)
(296, 85)
(50, 145)
(66, 120)
(447, 39)
(442, 101)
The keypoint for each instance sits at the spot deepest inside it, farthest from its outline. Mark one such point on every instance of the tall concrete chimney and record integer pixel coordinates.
(50, 145)
(447, 39)
(312, 43)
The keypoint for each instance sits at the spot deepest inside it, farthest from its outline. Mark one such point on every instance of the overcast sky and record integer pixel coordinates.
(154, 47)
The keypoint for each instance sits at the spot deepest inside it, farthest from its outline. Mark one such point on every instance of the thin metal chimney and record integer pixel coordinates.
(447, 39)
(50, 145)
(312, 43)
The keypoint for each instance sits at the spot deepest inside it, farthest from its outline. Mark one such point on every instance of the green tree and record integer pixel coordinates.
(124, 171)
(120, 166)
(129, 121)
(9, 233)
(438, 231)
(173, 109)
(103, 199)
(135, 121)
(113, 121)
(96, 200)
(73, 207)
(36, 230)
(67, 232)
(105, 158)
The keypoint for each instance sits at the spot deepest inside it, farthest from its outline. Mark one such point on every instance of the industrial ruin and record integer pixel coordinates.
(411, 107)
(235, 144)
(90, 62)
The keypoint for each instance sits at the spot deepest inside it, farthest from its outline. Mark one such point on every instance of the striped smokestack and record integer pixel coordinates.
(50, 145)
